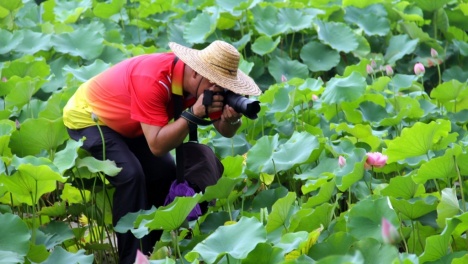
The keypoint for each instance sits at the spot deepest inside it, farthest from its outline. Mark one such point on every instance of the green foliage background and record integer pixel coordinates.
(323, 66)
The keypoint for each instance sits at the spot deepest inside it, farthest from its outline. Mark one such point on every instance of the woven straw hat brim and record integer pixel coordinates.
(239, 83)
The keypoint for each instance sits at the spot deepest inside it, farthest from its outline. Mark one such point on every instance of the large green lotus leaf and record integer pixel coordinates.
(442, 167)
(236, 240)
(376, 252)
(298, 19)
(85, 42)
(201, 27)
(361, 133)
(372, 112)
(346, 89)
(264, 45)
(65, 158)
(233, 166)
(452, 94)
(431, 5)
(299, 149)
(372, 19)
(288, 68)
(135, 222)
(448, 206)
(438, 246)
(417, 140)
(326, 192)
(264, 253)
(54, 233)
(60, 255)
(455, 73)
(10, 256)
(59, 209)
(401, 82)
(267, 22)
(363, 48)
(73, 195)
(173, 215)
(338, 35)
(15, 235)
(291, 241)
(403, 187)
(221, 190)
(352, 172)
(280, 212)
(37, 135)
(106, 10)
(311, 219)
(319, 57)
(338, 243)
(399, 46)
(70, 12)
(365, 218)
(30, 182)
(94, 165)
(261, 153)
(226, 147)
(85, 73)
(462, 46)
(356, 258)
(10, 40)
(33, 42)
(266, 198)
(26, 66)
(414, 207)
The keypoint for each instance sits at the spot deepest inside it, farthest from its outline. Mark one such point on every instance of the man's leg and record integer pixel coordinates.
(130, 184)
(160, 172)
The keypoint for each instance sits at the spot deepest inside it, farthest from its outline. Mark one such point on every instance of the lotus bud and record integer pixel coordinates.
(314, 97)
(389, 70)
(283, 78)
(94, 117)
(369, 69)
(341, 161)
(389, 232)
(373, 64)
(434, 53)
(18, 125)
(419, 69)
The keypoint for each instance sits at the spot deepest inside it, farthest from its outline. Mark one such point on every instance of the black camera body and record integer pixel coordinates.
(241, 104)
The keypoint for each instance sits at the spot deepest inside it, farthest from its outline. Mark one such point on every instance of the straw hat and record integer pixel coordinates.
(219, 63)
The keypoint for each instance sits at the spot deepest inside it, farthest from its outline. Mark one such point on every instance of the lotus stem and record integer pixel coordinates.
(461, 185)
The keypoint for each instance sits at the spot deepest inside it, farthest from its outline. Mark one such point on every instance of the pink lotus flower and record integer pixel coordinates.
(373, 64)
(141, 258)
(389, 70)
(389, 232)
(375, 159)
(283, 78)
(369, 69)
(341, 161)
(419, 69)
(434, 53)
(314, 97)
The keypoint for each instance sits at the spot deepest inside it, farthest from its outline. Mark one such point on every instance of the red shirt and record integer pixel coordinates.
(133, 91)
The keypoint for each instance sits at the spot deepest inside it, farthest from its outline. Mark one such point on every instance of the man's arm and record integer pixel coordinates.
(161, 140)
(229, 122)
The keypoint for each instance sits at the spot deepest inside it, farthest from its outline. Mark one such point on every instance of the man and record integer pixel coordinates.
(133, 104)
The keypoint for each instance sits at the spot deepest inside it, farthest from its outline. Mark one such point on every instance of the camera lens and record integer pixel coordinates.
(241, 104)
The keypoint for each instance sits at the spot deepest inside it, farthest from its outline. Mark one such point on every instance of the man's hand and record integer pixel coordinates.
(217, 104)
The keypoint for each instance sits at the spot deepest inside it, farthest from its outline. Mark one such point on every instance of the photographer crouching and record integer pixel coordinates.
(134, 103)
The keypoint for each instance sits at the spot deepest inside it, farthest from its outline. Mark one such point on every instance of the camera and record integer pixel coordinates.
(241, 104)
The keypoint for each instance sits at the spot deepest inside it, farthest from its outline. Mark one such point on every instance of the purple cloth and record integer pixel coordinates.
(180, 190)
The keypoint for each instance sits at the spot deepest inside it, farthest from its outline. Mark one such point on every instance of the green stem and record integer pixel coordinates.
(461, 184)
